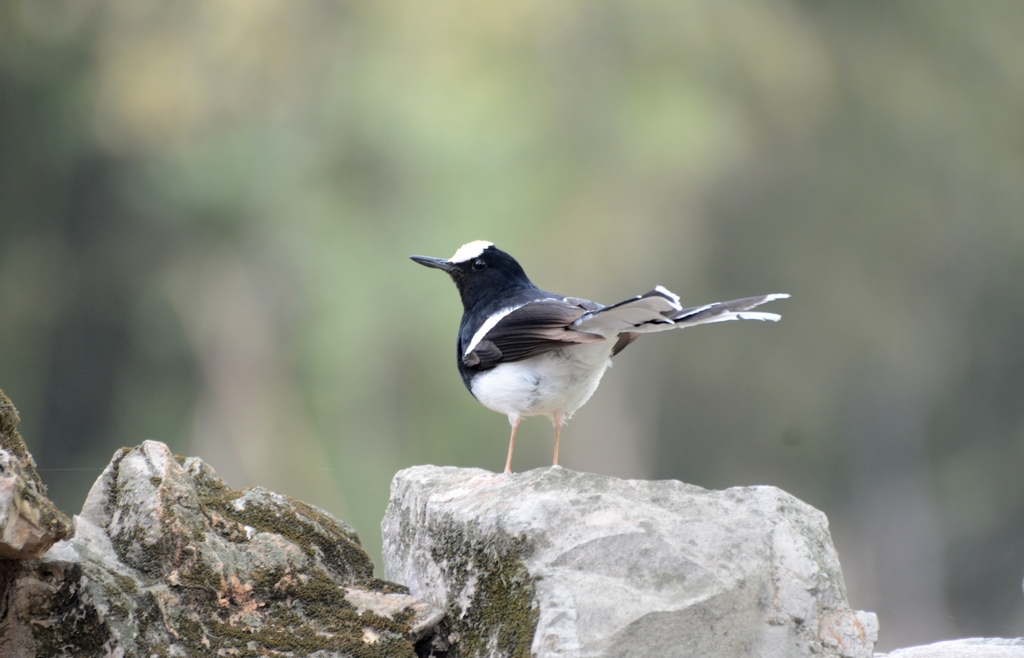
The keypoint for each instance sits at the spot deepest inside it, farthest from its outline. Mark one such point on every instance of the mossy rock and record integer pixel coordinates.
(169, 561)
(31, 522)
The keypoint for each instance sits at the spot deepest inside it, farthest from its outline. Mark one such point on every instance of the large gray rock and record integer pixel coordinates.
(557, 563)
(166, 560)
(29, 522)
(975, 647)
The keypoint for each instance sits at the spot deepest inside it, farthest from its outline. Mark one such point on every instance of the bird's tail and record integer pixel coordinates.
(660, 310)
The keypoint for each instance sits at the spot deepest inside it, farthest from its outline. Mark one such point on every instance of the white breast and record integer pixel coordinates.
(554, 383)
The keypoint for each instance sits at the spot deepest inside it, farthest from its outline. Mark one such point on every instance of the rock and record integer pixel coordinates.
(29, 522)
(423, 618)
(166, 560)
(976, 647)
(557, 563)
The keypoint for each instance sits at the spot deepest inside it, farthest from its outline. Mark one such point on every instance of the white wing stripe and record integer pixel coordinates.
(487, 326)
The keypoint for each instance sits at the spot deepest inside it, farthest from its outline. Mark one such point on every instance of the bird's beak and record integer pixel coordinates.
(439, 263)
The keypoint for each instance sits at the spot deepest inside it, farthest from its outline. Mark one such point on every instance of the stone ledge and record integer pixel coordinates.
(556, 563)
(975, 647)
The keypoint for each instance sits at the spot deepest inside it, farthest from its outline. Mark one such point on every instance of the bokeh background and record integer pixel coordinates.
(206, 210)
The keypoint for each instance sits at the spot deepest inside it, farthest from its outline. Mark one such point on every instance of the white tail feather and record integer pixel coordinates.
(659, 310)
(653, 309)
(741, 315)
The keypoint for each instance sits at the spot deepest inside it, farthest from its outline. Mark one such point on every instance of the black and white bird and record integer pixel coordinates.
(526, 352)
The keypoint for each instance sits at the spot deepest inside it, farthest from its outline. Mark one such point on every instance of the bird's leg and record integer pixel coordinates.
(558, 433)
(514, 419)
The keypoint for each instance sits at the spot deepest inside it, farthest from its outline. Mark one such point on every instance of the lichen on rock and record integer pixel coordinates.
(491, 605)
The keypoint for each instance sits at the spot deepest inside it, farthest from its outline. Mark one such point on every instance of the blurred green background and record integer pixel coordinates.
(206, 210)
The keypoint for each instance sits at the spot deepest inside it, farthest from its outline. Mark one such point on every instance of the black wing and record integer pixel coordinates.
(532, 329)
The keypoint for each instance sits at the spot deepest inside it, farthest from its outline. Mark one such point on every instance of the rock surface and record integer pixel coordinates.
(976, 647)
(29, 522)
(557, 563)
(168, 561)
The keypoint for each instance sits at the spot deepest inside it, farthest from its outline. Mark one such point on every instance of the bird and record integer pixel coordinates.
(523, 351)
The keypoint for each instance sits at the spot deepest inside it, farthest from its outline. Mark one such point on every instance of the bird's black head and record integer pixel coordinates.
(481, 272)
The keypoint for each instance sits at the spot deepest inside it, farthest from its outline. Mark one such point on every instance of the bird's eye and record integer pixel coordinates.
(479, 264)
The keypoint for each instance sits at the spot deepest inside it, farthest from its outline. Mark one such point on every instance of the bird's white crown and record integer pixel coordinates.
(469, 251)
